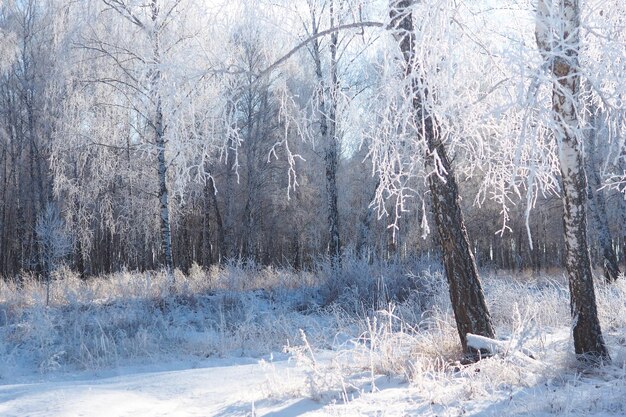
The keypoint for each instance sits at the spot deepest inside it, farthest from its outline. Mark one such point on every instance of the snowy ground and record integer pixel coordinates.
(128, 358)
(227, 388)
(243, 387)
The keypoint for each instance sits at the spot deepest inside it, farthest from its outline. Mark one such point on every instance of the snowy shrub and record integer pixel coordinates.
(135, 317)
(360, 285)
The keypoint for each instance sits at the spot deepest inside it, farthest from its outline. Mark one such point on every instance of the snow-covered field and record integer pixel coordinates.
(207, 388)
(256, 342)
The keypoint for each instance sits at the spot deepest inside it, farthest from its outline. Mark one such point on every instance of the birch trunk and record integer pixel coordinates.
(328, 131)
(166, 231)
(466, 294)
(562, 57)
(331, 157)
(160, 142)
(597, 206)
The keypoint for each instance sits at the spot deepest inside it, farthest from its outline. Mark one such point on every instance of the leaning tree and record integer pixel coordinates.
(410, 138)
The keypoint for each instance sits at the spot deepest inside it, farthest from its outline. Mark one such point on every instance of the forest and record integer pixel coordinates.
(337, 158)
(140, 135)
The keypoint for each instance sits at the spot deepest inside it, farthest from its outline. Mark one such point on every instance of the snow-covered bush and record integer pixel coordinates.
(361, 285)
(133, 317)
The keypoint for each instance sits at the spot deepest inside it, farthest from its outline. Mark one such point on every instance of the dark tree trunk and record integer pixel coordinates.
(220, 227)
(365, 228)
(229, 250)
(327, 102)
(207, 251)
(466, 294)
(597, 206)
(210, 199)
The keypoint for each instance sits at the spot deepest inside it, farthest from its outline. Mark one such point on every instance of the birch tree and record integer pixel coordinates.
(328, 86)
(423, 129)
(147, 79)
(558, 39)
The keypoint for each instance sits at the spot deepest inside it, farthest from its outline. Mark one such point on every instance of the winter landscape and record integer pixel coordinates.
(312, 207)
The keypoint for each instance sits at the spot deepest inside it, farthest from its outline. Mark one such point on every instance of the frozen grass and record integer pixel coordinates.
(239, 309)
(345, 329)
(137, 317)
(530, 315)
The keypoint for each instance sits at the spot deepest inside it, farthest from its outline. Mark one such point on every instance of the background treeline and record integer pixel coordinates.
(84, 87)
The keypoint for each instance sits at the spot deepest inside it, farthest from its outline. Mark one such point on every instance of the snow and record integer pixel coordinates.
(493, 346)
(373, 366)
(215, 388)
(266, 387)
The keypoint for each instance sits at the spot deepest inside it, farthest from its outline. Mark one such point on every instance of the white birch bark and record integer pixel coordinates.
(160, 142)
(557, 32)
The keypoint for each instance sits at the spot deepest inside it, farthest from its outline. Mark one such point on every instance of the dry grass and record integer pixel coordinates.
(346, 330)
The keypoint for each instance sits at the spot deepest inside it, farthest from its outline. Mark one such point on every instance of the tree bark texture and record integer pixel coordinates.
(597, 206)
(327, 103)
(166, 231)
(466, 294)
(562, 56)
(160, 142)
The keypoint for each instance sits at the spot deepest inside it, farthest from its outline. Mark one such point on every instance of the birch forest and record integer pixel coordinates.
(321, 137)
(148, 134)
